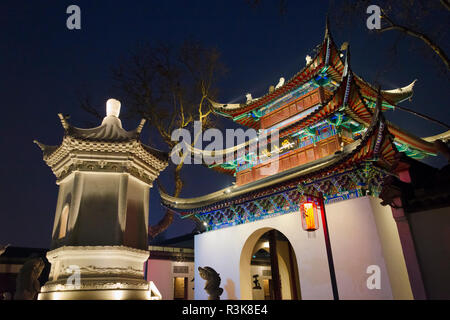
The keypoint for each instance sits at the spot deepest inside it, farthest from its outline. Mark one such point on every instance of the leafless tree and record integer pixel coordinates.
(170, 87)
(424, 20)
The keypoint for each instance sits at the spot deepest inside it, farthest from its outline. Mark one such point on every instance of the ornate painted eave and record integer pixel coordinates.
(187, 204)
(375, 148)
(391, 97)
(347, 99)
(411, 140)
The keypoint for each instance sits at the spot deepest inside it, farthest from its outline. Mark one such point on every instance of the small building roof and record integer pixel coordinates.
(376, 146)
(110, 130)
(104, 148)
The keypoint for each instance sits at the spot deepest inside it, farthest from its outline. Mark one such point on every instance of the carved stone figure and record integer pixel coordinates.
(27, 283)
(249, 98)
(280, 83)
(212, 282)
(256, 282)
(3, 248)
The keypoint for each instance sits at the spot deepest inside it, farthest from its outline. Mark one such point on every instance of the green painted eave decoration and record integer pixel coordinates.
(354, 128)
(229, 165)
(222, 113)
(239, 117)
(322, 78)
(338, 120)
(412, 152)
(309, 132)
(257, 114)
(371, 103)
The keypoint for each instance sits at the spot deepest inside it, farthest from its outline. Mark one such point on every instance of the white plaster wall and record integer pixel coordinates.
(356, 245)
(221, 250)
(161, 273)
(362, 233)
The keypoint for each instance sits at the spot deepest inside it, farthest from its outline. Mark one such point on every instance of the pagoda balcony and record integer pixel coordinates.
(292, 159)
(309, 100)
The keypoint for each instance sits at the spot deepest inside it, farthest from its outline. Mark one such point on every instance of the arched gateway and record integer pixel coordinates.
(268, 267)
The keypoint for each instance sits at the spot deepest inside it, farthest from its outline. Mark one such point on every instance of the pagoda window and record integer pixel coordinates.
(278, 113)
(63, 221)
(300, 106)
(310, 155)
(292, 109)
(302, 157)
(285, 164)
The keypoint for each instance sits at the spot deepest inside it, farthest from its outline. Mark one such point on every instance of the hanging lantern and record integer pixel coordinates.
(310, 217)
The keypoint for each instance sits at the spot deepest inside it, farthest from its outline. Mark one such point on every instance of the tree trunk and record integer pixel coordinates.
(167, 219)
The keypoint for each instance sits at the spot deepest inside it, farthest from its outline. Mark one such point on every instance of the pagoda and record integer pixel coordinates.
(335, 150)
(100, 234)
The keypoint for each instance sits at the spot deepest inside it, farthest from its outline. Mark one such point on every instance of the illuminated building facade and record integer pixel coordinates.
(318, 215)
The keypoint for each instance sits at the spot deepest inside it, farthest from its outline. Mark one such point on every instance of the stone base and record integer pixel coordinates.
(97, 273)
(96, 295)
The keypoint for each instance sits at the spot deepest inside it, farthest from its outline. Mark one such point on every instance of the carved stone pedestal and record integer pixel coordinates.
(97, 272)
(100, 234)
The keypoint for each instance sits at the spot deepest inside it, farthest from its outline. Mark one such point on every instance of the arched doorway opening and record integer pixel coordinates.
(269, 268)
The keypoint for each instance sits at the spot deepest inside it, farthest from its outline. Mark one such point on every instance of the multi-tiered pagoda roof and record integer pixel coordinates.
(340, 144)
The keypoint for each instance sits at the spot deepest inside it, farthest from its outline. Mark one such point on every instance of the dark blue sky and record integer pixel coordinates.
(44, 66)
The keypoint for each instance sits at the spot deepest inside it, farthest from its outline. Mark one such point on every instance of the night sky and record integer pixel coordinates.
(44, 66)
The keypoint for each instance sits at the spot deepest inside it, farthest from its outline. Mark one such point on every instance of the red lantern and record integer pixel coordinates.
(310, 217)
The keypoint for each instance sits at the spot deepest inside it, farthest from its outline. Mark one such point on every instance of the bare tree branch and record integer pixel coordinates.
(446, 4)
(421, 19)
(170, 87)
(394, 26)
(86, 105)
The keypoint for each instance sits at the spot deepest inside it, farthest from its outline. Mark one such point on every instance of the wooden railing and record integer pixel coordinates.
(306, 101)
(290, 160)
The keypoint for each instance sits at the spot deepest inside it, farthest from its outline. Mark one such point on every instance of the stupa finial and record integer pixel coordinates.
(113, 107)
